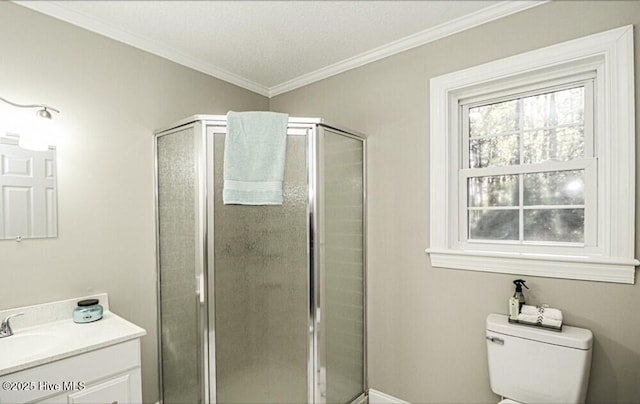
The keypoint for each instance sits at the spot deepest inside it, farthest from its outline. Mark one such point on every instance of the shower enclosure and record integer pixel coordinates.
(261, 304)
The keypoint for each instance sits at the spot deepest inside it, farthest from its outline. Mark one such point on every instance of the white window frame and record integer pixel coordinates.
(608, 57)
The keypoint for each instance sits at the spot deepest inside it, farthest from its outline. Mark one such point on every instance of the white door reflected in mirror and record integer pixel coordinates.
(27, 191)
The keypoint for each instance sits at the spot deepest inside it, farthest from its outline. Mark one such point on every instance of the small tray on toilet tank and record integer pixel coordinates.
(536, 325)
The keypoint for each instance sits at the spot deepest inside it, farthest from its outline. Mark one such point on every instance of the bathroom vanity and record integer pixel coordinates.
(51, 359)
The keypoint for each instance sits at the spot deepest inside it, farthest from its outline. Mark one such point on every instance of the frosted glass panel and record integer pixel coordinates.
(261, 290)
(181, 351)
(343, 267)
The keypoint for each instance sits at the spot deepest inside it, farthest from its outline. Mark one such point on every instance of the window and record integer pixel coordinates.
(527, 167)
(532, 163)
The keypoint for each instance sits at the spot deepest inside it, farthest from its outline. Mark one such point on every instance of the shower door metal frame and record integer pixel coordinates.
(203, 142)
(314, 382)
(200, 275)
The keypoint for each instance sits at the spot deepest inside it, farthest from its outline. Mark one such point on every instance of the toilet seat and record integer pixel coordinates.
(508, 401)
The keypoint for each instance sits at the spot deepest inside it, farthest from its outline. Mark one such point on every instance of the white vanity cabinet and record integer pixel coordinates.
(107, 375)
(115, 390)
(51, 359)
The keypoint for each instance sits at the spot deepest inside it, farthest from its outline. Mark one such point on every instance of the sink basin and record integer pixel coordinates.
(22, 346)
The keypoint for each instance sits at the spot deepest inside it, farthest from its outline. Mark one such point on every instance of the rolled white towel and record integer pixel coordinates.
(547, 312)
(539, 320)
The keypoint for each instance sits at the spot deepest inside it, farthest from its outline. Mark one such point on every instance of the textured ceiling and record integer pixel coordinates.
(274, 46)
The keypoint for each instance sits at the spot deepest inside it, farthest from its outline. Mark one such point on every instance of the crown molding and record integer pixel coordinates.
(59, 10)
(500, 10)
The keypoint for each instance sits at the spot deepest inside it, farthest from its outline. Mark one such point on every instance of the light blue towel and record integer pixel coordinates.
(254, 157)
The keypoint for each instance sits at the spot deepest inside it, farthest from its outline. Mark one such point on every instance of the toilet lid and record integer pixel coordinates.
(508, 401)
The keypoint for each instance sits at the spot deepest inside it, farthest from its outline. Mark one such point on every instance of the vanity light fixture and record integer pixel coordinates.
(39, 132)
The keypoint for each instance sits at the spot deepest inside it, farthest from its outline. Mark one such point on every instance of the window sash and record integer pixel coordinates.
(585, 80)
(588, 164)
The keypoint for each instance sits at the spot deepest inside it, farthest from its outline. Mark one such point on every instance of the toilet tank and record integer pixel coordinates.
(534, 365)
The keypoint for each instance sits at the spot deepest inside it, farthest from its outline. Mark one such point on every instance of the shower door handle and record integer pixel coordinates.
(200, 289)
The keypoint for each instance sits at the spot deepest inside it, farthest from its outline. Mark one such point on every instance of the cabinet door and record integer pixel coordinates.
(112, 391)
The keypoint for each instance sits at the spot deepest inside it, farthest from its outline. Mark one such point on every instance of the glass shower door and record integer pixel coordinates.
(342, 266)
(260, 266)
(178, 263)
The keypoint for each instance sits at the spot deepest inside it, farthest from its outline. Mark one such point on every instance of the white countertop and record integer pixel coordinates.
(52, 341)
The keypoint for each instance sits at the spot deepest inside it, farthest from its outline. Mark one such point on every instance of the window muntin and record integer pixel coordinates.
(540, 145)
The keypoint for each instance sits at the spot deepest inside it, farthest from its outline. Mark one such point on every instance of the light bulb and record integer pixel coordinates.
(38, 133)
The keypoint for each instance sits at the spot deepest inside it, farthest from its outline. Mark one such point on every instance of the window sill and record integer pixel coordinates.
(591, 268)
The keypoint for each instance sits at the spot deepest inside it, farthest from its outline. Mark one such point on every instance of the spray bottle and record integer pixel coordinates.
(517, 301)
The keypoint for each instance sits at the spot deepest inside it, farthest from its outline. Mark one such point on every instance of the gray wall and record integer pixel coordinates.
(426, 325)
(112, 97)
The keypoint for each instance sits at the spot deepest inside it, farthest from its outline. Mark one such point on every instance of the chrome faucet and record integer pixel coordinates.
(5, 328)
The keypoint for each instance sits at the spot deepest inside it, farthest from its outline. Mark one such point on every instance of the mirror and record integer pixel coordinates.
(28, 203)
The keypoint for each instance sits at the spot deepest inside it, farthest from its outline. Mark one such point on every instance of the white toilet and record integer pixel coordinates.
(534, 365)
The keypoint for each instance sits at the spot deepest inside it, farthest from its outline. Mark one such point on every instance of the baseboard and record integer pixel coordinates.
(378, 397)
